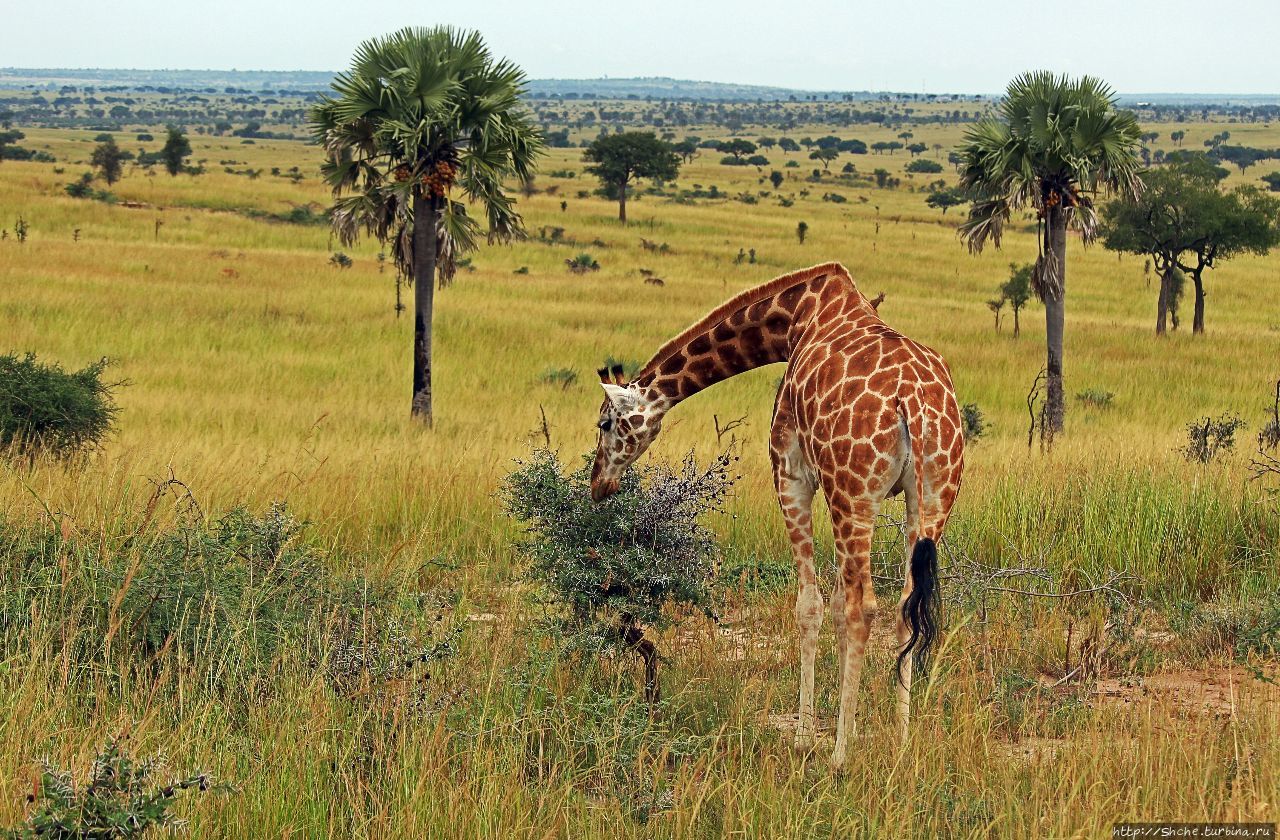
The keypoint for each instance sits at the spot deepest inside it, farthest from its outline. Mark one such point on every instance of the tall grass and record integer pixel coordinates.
(259, 373)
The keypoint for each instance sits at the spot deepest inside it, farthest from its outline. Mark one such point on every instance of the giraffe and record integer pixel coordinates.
(863, 413)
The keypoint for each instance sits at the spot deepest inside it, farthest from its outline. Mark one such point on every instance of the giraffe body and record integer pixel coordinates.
(863, 413)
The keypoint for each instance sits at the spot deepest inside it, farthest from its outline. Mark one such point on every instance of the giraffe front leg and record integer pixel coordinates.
(796, 487)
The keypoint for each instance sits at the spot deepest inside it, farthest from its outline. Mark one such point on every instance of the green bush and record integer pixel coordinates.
(45, 410)
(611, 566)
(972, 422)
(121, 799)
(1209, 437)
(1095, 398)
(924, 165)
(226, 598)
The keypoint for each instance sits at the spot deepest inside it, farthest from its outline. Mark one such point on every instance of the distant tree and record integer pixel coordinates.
(882, 177)
(995, 305)
(757, 160)
(1177, 137)
(853, 147)
(788, 145)
(825, 155)
(924, 165)
(9, 137)
(620, 159)
(421, 113)
(917, 149)
(1185, 223)
(944, 199)
(1272, 181)
(176, 150)
(1198, 163)
(1017, 290)
(802, 229)
(736, 147)
(776, 178)
(807, 142)
(1054, 143)
(109, 160)
(687, 149)
(766, 143)
(830, 141)
(937, 149)
(1241, 156)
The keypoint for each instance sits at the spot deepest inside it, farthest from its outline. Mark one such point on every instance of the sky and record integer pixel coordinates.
(1139, 46)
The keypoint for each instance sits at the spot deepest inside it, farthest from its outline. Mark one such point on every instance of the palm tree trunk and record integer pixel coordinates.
(1017, 328)
(1055, 321)
(1197, 323)
(622, 202)
(425, 241)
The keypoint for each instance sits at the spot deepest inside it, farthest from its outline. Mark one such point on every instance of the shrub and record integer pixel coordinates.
(340, 260)
(122, 798)
(972, 422)
(1237, 624)
(582, 263)
(45, 410)
(612, 566)
(225, 598)
(1095, 398)
(1209, 437)
(924, 165)
(564, 377)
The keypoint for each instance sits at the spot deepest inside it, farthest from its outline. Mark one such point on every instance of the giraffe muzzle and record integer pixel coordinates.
(603, 489)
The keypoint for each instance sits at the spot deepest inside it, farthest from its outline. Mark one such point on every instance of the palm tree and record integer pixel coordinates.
(1054, 144)
(422, 116)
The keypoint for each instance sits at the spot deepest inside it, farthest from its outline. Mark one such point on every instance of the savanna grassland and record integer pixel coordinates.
(258, 371)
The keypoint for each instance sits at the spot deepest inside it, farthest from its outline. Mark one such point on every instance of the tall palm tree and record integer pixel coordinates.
(1054, 144)
(424, 123)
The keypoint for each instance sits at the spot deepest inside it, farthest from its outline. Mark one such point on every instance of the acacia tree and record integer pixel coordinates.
(1053, 143)
(622, 158)
(109, 160)
(176, 150)
(424, 123)
(1017, 290)
(824, 155)
(1185, 223)
(1243, 221)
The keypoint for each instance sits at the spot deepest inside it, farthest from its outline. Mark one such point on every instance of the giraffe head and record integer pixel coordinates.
(629, 422)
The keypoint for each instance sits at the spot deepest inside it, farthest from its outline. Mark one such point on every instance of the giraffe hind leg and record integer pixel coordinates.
(796, 487)
(854, 528)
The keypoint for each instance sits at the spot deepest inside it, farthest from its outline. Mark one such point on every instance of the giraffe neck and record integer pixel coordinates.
(756, 328)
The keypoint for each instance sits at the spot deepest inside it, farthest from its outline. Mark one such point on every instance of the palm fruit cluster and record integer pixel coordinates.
(1055, 196)
(439, 178)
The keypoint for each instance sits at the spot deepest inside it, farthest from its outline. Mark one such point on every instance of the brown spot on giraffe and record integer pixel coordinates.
(863, 413)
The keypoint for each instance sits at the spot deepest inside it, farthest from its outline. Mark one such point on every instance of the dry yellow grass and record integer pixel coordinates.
(258, 372)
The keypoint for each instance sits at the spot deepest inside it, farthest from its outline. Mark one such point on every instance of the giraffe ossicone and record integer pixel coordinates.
(863, 413)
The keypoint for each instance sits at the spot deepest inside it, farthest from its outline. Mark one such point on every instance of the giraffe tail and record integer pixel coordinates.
(920, 609)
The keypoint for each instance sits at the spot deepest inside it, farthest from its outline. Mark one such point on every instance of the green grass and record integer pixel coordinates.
(258, 372)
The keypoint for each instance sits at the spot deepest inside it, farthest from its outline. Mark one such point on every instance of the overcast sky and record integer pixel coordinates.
(1140, 46)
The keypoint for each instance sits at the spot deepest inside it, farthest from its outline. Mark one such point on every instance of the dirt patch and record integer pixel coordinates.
(787, 724)
(1193, 691)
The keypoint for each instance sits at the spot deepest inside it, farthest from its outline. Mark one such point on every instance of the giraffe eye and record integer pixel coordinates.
(605, 424)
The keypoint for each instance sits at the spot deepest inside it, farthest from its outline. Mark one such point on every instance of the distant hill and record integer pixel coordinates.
(657, 87)
(662, 87)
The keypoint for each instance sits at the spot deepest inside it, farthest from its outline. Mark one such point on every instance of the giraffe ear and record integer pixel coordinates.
(623, 399)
